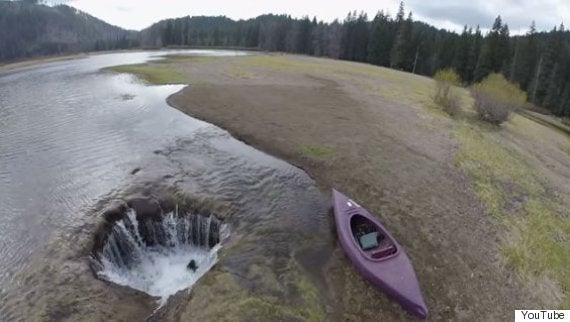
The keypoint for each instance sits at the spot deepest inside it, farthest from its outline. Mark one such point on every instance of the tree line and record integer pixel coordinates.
(29, 29)
(539, 62)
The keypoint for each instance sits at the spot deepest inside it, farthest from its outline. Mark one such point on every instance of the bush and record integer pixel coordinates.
(496, 98)
(444, 94)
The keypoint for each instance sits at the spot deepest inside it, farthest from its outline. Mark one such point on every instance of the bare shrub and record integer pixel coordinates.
(445, 95)
(496, 98)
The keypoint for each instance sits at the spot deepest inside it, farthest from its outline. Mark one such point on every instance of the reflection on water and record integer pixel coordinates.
(70, 134)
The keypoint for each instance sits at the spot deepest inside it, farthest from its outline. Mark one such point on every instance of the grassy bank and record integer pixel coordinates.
(548, 120)
(163, 71)
(535, 244)
(239, 304)
(474, 204)
(155, 74)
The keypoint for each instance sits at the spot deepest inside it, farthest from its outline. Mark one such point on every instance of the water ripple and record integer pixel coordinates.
(70, 135)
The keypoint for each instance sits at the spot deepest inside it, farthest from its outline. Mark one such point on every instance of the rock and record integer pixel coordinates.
(192, 266)
(146, 208)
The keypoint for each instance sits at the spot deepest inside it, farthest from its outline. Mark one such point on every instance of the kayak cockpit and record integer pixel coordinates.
(372, 241)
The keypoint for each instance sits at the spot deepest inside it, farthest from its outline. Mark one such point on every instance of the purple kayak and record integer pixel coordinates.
(377, 255)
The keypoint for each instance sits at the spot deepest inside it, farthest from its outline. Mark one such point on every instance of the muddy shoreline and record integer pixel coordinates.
(346, 138)
(370, 132)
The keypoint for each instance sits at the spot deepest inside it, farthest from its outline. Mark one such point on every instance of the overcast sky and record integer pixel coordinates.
(448, 14)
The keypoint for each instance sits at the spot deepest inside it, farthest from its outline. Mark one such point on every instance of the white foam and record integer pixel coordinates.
(163, 272)
(159, 270)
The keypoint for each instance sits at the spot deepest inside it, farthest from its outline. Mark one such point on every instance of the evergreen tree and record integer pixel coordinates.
(557, 65)
(252, 36)
(563, 108)
(461, 59)
(473, 57)
(319, 38)
(347, 44)
(411, 45)
(546, 69)
(401, 14)
(380, 42)
(501, 59)
(334, 39)
(399, 55)
(361, 37)
(538, 61)
(527, 58)
(495, 51)
(304, 41)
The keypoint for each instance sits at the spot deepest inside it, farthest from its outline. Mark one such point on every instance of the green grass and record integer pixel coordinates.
(317, 151)
(186, 58)
(549, 121)
(239, 73)
(395, 86)
(536, 243)
(268, 301)
(280, 62)
(152, 73)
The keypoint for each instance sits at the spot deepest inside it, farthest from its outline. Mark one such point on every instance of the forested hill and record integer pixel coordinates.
(28, 29)
(538, 61)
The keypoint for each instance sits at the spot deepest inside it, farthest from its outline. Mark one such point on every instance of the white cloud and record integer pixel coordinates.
(448, 14)
(518, 14)
(136, 14)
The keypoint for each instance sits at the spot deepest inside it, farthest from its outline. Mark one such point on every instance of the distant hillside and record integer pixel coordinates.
(538, 61)
(199, 31)
(28, 30)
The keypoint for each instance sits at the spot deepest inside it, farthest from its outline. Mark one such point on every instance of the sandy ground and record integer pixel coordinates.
(390, 154)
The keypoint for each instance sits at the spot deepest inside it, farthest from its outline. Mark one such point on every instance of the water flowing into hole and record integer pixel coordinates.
(159, 255)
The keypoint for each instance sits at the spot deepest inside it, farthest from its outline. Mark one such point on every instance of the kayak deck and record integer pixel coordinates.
(377, 255)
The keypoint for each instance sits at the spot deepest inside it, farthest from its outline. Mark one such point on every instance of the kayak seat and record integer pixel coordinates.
(384, 252)
(369, 241)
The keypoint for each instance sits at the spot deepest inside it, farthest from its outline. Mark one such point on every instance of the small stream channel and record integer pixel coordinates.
(74, 140)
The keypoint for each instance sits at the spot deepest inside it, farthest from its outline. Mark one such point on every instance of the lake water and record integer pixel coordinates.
(71, 135)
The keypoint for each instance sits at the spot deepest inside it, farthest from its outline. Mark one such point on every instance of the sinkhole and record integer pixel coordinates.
(155, 251)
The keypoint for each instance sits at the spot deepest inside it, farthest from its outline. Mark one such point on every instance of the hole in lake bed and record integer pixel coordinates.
(159, 254)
